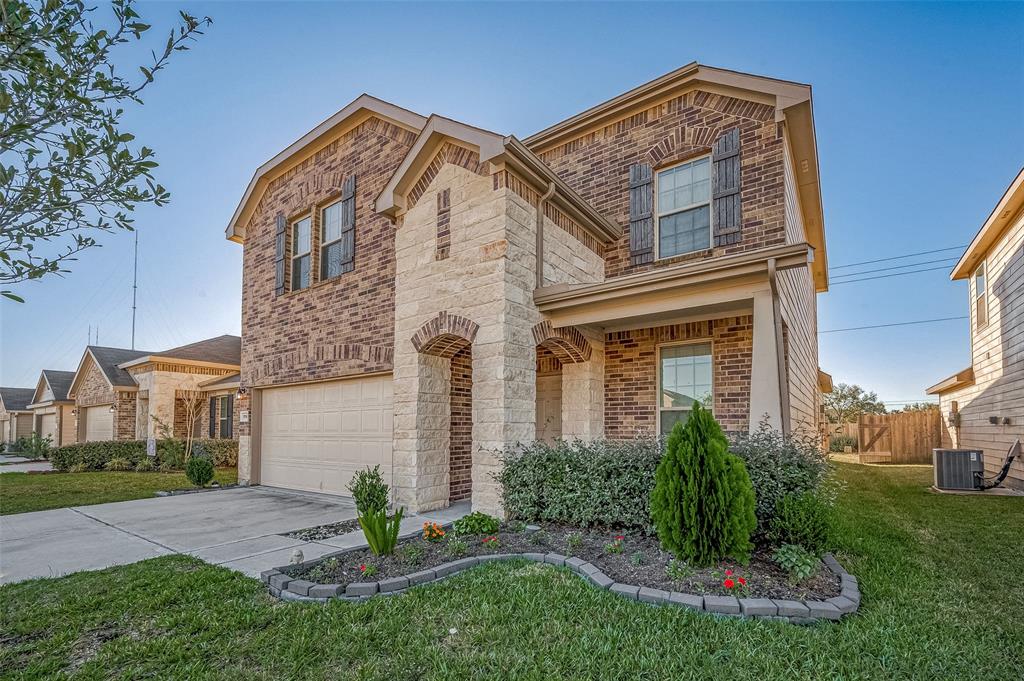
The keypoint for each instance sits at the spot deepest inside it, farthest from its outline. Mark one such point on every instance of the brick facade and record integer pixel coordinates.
(342, 326)
(597, 166)
(460, 439)
(631, 373)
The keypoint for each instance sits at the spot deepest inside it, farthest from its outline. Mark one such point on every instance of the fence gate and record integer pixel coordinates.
(904, 437)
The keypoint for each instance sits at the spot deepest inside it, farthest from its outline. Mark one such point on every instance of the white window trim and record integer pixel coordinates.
(657, 213)
(293, 233)
(983, 269)
(693, 341)
(323, 235)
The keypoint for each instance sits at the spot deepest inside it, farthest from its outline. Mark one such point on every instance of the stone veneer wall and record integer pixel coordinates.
(631, 373)
(596, 165)
(460, 438)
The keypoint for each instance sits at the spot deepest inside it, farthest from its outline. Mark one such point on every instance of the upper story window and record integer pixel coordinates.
(684, 378)
(980, 297)
(330, 241)
(301, 243)
(684, 208)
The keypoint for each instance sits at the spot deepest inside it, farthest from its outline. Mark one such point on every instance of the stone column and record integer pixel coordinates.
(583, 395)
(421, 432)
(764, 373)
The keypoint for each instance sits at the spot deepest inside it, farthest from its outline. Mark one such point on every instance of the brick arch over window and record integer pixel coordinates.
(568, 344)
(682, 143)
(444, 335)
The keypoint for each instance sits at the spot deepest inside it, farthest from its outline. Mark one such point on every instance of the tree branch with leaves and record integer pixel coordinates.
(846, 402)
(67, 170)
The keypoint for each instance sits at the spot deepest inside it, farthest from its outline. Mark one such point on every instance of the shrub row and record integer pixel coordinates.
(170, 454)
(609, 482)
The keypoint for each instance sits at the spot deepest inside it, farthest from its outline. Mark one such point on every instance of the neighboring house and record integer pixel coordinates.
(983, 405)
(401, 307)
(15, 416)
(124, 394)
(53, 411)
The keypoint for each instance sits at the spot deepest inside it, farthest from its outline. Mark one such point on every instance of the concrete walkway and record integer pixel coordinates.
(239, 528)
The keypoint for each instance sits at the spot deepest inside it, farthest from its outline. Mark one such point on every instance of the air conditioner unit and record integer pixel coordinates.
(958, 469)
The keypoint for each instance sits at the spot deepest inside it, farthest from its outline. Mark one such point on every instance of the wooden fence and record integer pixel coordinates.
(904, 437)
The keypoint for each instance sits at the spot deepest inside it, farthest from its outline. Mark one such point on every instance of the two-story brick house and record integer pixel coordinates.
(983, 405)
(419, 293)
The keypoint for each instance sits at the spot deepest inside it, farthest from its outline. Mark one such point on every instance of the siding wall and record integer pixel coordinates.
(997, 355)
(798, 303)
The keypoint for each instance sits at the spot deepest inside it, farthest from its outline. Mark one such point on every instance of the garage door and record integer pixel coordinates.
(48, 427)
(314, 437)
(99, 424)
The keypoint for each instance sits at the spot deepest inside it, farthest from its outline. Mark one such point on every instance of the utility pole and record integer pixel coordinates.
(135, 285)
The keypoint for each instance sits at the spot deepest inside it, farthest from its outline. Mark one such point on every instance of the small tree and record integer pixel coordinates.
(846, 402)
(703, 501)
(192, 402)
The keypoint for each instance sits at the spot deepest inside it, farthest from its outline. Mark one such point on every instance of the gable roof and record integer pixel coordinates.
(224, 349)
(341, 122)
(16, 399)
(998, 221)
(109, 361)
(793, 107)
(493, 148)
(59, 382)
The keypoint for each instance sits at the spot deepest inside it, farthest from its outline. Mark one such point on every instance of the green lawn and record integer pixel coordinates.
(21, 492)
(941, 580)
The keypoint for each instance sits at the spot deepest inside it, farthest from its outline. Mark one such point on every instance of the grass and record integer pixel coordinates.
(940, 578)
(22, 492)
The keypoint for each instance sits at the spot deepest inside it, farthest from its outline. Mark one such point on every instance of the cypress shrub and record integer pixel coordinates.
(702, 504)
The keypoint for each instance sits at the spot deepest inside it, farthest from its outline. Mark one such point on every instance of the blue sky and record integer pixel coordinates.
(918, 107)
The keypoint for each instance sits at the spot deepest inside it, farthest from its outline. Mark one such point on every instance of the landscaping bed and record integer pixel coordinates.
(636, 560)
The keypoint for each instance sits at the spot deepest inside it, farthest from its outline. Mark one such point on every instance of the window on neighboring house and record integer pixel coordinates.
(684, 377)
(330, 240)
(980, 297)
(684, 208)
(301, 243)
(224, 417)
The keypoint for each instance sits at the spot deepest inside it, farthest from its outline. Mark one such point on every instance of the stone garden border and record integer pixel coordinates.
(797, 612)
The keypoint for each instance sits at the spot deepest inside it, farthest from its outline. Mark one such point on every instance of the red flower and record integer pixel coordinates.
(743, 581)
(362, 568)
(619, 538)
(728, 573)
(729, 583)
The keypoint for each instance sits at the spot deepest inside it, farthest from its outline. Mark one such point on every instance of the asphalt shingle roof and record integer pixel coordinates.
(109, 358)
(17, 399)
(60, 382)
(220, 350)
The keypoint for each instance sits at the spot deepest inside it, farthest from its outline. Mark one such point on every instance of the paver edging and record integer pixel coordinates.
(282, 586)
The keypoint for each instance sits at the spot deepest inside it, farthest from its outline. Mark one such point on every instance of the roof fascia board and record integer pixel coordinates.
(357, 111)
(1009, 207)
(960, 379)
(169, 359)
(799, 127)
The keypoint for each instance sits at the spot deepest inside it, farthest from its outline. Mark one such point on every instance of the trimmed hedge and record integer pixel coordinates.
(94, 456)
(585, 483)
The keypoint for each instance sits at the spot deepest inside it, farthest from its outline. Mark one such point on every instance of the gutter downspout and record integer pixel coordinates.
(540, 232)
(779, 348)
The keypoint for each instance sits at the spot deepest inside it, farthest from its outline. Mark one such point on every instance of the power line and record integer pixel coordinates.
(886, 276)
(896, 257)
(882, 326)
(899, 267)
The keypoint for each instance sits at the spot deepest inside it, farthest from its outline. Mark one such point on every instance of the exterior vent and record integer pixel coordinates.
(958, 468)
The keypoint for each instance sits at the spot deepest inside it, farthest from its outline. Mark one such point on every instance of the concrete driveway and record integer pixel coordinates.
(238, 528)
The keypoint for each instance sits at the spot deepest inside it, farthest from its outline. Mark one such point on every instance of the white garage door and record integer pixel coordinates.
(48, 427)
(314, 437)
(99, 423)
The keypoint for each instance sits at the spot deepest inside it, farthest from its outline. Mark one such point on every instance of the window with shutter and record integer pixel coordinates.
(684, 208)
(213, 416)
(280, 240)
(641, 215)
(224, 417)
(728, 216)
(301, 244)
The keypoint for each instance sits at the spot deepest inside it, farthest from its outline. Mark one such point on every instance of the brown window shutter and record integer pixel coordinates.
(641, 214)
(347, 253)
(280, 239)
(726, 211)
(213, 416)
(229, 431)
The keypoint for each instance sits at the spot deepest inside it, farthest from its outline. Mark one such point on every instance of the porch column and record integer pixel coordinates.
(421, 427)
(583, 395)
(764, 373)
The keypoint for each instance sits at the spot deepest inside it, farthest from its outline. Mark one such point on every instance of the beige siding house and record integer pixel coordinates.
(53, 411)
(15, 415)
(983, 405)
(419, 293)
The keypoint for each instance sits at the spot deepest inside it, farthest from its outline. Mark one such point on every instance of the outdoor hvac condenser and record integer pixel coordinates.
(958, 468)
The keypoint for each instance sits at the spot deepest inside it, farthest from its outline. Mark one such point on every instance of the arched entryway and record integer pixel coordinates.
(566, 383)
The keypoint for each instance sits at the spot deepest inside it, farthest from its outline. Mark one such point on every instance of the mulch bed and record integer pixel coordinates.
(324, 531)
(641, 562)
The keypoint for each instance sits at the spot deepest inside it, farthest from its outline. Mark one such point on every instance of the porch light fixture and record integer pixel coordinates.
(241, 391)
(113, 409)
